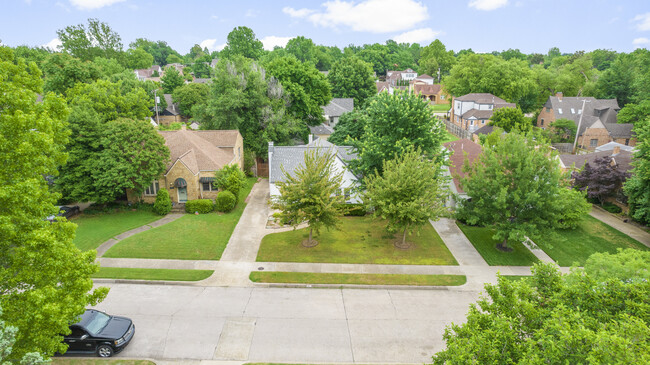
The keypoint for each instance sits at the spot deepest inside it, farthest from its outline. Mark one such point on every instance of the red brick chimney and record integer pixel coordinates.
(559, 95)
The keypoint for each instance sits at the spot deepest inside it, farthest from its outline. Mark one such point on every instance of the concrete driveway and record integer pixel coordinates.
(286, 325)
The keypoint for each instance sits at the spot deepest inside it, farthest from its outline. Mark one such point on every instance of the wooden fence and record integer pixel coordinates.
(456, 130)
(563, 147)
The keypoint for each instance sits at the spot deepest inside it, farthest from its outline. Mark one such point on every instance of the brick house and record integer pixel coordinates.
(459, 150)
(599, 122)
(473, 111)
(430, 92)
(195, 157)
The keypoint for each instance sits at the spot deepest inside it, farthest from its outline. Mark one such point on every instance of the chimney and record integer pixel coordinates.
(559, 95)
(616, 151)
(311, 138)
(270, 147)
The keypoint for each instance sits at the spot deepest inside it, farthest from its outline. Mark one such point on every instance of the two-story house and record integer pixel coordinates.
(473, 111)
(394, 78)
(597, 119)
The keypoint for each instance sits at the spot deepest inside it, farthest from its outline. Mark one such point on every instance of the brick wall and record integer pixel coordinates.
(600, 134)
(193, 186)
(548, 116)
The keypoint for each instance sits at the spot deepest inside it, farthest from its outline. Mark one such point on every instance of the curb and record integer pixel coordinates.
(355, 286)
(144, 282)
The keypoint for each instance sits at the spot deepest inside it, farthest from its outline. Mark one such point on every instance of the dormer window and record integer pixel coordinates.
(559, 110)
(573, 111)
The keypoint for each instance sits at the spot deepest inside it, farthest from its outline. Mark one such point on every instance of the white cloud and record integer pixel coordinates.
(639, 42)
(54, 44)
(643, 21)
(211, 44)
(487, 5)
(417, 36)
(271, 41)
(376, 16)
(214, 17)
(251, 13)
(93, 4)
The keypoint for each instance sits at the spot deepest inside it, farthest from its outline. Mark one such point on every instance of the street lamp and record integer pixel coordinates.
(582, 113)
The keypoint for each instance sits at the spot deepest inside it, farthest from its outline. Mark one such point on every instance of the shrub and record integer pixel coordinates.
(225, 201)
(230, 178)
(612, 208)
(163, 204)
(202, 206)
(355, 210)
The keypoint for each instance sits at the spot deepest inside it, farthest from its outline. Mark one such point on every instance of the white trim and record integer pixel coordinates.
(187, 167)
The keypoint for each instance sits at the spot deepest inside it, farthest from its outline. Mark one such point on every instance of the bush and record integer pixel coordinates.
(225, 201)
(202, 206)
(163, 204)
(230, 178)
(612, 208)
(355, 210)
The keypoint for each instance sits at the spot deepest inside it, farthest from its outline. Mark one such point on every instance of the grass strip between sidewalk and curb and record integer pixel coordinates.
(151, 274)
(481, 239)
(516, 277)
(361, 279)
(87, 361)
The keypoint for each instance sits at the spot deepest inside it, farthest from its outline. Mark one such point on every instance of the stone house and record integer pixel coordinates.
(195, 157)
(430, 92)
(599, 119)
(458, 151)
(290, 158)
(473, 111)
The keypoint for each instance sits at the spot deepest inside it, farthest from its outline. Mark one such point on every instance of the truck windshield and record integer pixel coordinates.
(98, 323)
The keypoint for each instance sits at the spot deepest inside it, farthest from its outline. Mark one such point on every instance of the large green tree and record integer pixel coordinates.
(511, 119)
(189, 95)
(171, 80)
(243, 98)
(410, 192)
(44, 279)
(95, 40)
(159, 50)
(307, 88)
(516, 189)
(309, 193)
(394, 123)
(242, 42)
(633, 113)
(138, 58)
(435, 56)
(637, 187)
(593, 316)
(112, 100)
(351, 126)
(352, 78)
(63, 71)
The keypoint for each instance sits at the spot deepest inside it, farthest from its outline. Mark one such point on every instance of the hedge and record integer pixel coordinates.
(163, 204)
(202, 206)
(225, 201)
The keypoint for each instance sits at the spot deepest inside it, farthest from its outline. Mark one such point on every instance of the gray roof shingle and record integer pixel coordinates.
(338, 106)
(322, 129)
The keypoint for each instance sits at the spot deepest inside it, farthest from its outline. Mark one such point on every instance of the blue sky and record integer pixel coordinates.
(483, 25)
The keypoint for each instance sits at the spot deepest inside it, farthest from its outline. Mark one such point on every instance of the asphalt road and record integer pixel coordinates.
(286, 325)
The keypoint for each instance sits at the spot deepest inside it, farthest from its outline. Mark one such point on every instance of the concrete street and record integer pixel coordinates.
(175, 323)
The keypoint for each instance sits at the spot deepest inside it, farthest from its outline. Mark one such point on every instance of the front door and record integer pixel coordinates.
(182, 194)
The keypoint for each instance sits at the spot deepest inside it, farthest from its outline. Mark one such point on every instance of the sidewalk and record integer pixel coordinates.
(629, 229)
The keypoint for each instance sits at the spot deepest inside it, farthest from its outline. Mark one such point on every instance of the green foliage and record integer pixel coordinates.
(408, 193)
(63, 71)
(242, 42)
(351, 125)
(592, 316)
(230, 178)
(86, 43)
(626, 265)
(351, 77)
(618, 81)
(134, 155)
(308, 195)
(7, 339)
(637, 187)
(633, 113)
(515, 188)
(159, 50)
(242, 98)
(225, 201)
(175, 126)
(112, 100)
(511, 80)
(138, 59)
(435, 56)
(395, 122)
(612, 208)
(355, 210)
(511, 120)
(44, 279)
(163, 203)
(171, 80)
(307, 88)
(563, 131)
(203, 206)
(573, 75)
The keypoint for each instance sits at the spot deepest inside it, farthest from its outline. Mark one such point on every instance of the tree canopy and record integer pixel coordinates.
(242, 42)
(95, 40)
(637, 187)
(511, 120)
(600, 179)
(351, 77)
(351, 125)
(171, 80)
(189, 95)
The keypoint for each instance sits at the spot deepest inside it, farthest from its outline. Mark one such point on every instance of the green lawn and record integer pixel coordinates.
(482, 240)
(363, 279)
(361, 240)
(152, 274)
(440, 107)
(191, 237)
(449, 137)
(93, 230)
(575, 246)
(516, 277)
(86, 361)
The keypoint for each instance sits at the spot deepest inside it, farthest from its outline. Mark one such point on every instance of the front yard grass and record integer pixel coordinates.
(575, 246)
(93, 230)
(191, 237)
(440, 107)
(361, 240)
(152, 274)
(85, 361)
(449, 137)
(481, 238)
(362, 279)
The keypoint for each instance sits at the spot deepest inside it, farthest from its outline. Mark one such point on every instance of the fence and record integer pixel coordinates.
(563, 147)
(456, 130)
(262, 168)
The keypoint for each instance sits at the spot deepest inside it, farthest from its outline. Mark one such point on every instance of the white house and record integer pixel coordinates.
(473, 111)
(290, 158)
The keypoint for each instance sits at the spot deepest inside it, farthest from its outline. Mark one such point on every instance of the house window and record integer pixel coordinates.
(573, 111)
(559, 110)
(442, 97)
(593, 143)
(207, 186)
(346, 191)
(627, 141)
(152, 189)
(542, 122)
(471, 122)
(238, 151)
(548, 110)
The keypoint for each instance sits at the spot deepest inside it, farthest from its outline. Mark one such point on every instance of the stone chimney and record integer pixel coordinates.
(559, 95)
(616, 151)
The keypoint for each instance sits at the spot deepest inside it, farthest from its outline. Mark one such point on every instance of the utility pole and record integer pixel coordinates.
(582, 113)
(155, 96)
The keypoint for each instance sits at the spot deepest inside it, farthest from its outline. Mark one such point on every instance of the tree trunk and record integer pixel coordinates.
(404, 236)
(310, 235)
(503, 246)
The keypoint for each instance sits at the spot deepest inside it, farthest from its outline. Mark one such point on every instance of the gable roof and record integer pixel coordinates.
(424, 76)
(482, 98)
(200, 150)
(426, 89)
(486, 129)
(459, 149)
(172, 108)
(381, 85)
(621, 159)
(611, 145)
(291, 157)
(338, 106)
(322, 129)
